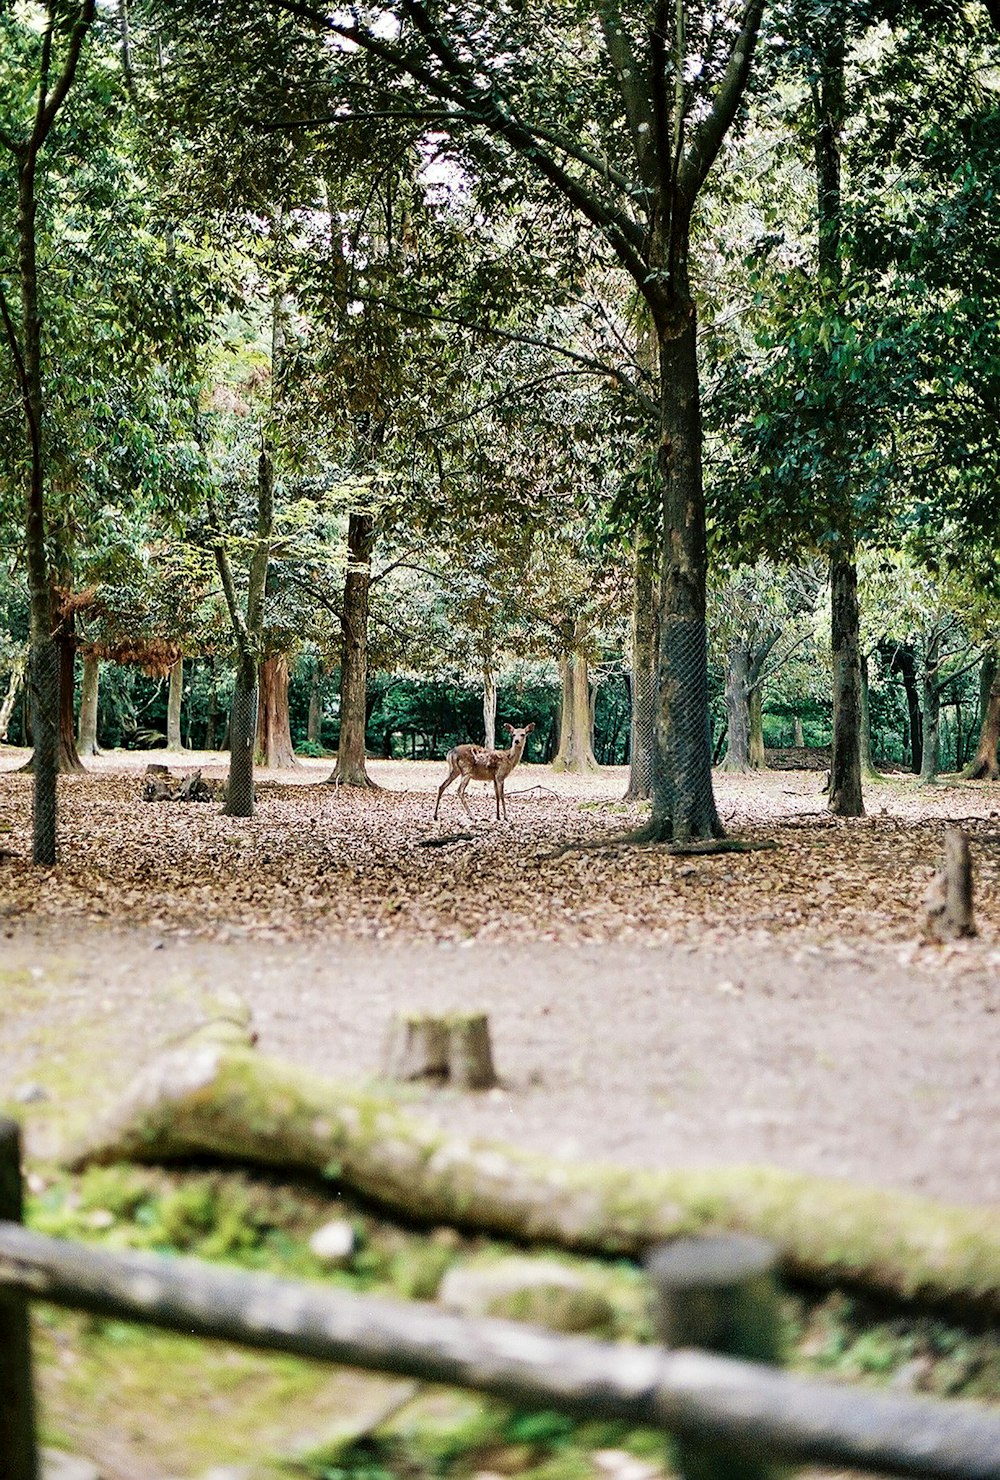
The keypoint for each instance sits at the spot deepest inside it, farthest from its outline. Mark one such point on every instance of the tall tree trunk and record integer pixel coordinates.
(350, 768)
(69, 759)
(683, 799)
(983, 765)
(14, 685)
(576, 746)
(755, 708)
(868, 771)
(240, 796)
(798, 738)
(489, 705)
(86, 742)
(642, 729)
(274, 731)
(43, 662)
(314, 723)
(737, 709)
(247, 629)
(930, 710)
(175, 695)
(212, 710)
(845, 799)
(905, 664)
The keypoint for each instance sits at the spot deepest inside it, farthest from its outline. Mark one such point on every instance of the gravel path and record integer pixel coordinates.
(871, 1063)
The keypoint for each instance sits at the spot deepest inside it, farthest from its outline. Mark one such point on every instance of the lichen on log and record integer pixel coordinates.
(233, 1104)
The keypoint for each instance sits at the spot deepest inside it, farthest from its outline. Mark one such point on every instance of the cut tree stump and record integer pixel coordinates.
(452, 1050)
(163, 786)
(949, 894)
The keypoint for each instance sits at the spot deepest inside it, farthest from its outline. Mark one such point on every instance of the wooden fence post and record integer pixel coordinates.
(18, 1453)
(718, 1294)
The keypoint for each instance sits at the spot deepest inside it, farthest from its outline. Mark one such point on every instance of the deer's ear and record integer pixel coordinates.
(509, 728)
(528, 729)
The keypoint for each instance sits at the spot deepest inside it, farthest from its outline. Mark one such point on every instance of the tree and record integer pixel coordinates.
(24, 140)
(624, 129)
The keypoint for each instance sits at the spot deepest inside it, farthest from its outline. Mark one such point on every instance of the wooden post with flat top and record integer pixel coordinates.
(718, 1294)
(18, 1452)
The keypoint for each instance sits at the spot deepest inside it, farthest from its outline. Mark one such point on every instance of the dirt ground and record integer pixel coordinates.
(771, 1007)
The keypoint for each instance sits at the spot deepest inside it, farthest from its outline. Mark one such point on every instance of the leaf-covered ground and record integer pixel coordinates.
(321, 860)
(774, 1006)
(777, 1006)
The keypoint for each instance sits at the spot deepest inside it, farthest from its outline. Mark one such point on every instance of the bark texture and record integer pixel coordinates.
(737, 710)
(983, 765)
(489, 706)
(576, 743)
(69, 759)
(274, 731)
(645, 623)
(683, 798)
(350, 769)
(235, 1105)
(175, 696)
(86, 742)
(845, 799)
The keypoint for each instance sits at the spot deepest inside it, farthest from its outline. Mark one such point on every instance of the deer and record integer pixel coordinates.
(476, 763)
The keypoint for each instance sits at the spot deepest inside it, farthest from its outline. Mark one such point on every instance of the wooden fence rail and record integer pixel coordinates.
(733, 1417)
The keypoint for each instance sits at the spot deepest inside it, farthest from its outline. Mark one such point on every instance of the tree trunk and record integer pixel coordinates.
(755, 706)
(274, 731)
(14, 686)
(576, 750)
(737, 709)
(983, 765)
(175, 694)
(212, 713)
(798, 738)
(240, 797)
(683, 800)
(69, 759)
(314, 723)
(868, 770)
(247, 629)
(845, 798)
(43, 663)
(350, 768)
(642, 729)
(87, 729)
(930, 708)
(905, 664)
(489, 706)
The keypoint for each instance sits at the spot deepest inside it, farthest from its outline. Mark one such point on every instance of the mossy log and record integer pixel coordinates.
(234, 1104)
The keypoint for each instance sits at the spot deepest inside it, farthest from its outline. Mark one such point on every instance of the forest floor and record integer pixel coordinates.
(777, 1005)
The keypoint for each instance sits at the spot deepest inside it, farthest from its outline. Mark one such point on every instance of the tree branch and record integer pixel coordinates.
(49, 106)
(709, 135)
(623, 234)
(634, 87)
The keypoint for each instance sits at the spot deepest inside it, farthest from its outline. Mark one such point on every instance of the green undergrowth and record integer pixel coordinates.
(194, 1404)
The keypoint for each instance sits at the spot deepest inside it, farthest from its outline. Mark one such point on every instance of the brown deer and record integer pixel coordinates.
(476, 763)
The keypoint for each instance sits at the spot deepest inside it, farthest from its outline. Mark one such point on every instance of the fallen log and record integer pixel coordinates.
(236, 1105)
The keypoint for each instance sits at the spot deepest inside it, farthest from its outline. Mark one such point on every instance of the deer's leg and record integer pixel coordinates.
(461, 793)
(498, 788)
(442, 789)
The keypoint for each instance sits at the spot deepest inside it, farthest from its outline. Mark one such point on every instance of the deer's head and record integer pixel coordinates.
(518, 737)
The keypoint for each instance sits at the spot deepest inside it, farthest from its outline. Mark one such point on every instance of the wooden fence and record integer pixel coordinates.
(727, 1417)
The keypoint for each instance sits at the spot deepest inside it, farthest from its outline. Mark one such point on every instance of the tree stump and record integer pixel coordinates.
(163, 786)
(949, 894)
(454, 1049)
